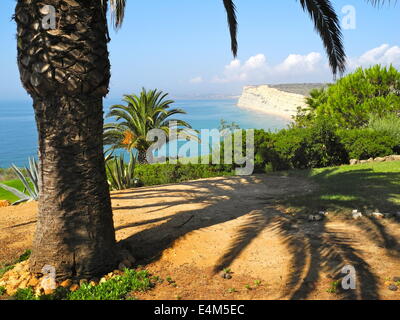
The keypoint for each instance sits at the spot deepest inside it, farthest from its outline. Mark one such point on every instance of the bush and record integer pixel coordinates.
(351, 101)
(157, 174)
(363, 144)
(313, 147)
(387, 125)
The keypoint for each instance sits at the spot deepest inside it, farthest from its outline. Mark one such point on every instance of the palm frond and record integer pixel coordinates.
(326, 23)
(117, 8)
(232, 23)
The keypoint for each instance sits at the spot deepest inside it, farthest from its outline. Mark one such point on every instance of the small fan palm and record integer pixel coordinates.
(150, 110)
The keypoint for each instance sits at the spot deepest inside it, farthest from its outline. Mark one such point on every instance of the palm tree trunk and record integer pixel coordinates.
(66, 72)
(142, 157)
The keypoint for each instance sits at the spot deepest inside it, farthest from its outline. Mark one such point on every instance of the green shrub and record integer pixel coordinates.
(25, 294)
(2, 290)
(387, 125)
(157, 174)
(351, 101)
(116, 288)
(363, 144)
(312, 147)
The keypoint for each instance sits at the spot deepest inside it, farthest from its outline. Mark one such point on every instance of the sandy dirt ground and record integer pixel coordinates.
(191, 231)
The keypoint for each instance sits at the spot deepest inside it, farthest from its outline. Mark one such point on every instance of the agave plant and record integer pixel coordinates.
(121, 175)
(30, 182)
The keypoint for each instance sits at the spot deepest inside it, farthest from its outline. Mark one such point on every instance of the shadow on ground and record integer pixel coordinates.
(313, 247)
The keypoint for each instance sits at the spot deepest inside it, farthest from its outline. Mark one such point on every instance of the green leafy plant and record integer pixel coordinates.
(2, 290)
(30, 180)
(25, 294)
(388, 125)
(351, 101)
(257, 283)
(363, 144)
(116, 288)
(121, 175)
(334, 286)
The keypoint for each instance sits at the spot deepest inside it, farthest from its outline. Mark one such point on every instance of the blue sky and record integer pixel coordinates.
(183, 46)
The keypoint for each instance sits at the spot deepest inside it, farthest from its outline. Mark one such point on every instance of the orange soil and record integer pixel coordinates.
(193, 230)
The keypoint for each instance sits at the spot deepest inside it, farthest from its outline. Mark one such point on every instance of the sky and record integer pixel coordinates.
(183, 46)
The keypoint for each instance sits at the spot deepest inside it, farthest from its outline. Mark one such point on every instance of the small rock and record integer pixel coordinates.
(393, 287)
(396, 279)
(48, 291)
(357, 215)
(353, 162)
(388, 283)
(4, 203)
(74, 287)
(33, 282)
(378, 215)
(317, 217)
(93, 283)
(66, 283)
(222, 274)
(228, 276)
(82, 282)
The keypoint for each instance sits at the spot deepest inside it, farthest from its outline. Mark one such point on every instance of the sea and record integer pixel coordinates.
(18, 135)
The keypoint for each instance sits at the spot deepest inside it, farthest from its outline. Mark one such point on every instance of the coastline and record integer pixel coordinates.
(271, 101)
(283, 114)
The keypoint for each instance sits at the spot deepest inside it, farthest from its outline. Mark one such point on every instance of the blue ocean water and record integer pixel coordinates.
(18, 136)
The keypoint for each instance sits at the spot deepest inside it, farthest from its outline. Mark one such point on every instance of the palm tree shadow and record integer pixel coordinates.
(312, 249)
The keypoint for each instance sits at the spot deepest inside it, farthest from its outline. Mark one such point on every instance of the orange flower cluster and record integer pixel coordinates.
(128, 138)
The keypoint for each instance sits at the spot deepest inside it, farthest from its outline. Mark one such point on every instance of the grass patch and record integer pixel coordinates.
(117, 288)
(366, 187)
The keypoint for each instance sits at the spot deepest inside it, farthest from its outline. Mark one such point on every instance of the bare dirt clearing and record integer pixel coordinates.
(193, 230)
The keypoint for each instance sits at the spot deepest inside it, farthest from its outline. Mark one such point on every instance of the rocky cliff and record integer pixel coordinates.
(271, 100)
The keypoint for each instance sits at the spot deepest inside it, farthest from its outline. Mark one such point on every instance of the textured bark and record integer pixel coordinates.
(142, 157)
(66, 71)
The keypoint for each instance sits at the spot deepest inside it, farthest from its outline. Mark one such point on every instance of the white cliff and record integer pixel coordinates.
(271, 101)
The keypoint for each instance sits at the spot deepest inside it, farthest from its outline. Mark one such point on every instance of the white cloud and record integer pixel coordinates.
(255, 62)
(299, 64)
(384, 55)
(256, 69)
(311, 67)
(196, 80)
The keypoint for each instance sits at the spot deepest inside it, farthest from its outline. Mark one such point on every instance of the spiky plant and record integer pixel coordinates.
(121, 175)
(30, 181)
